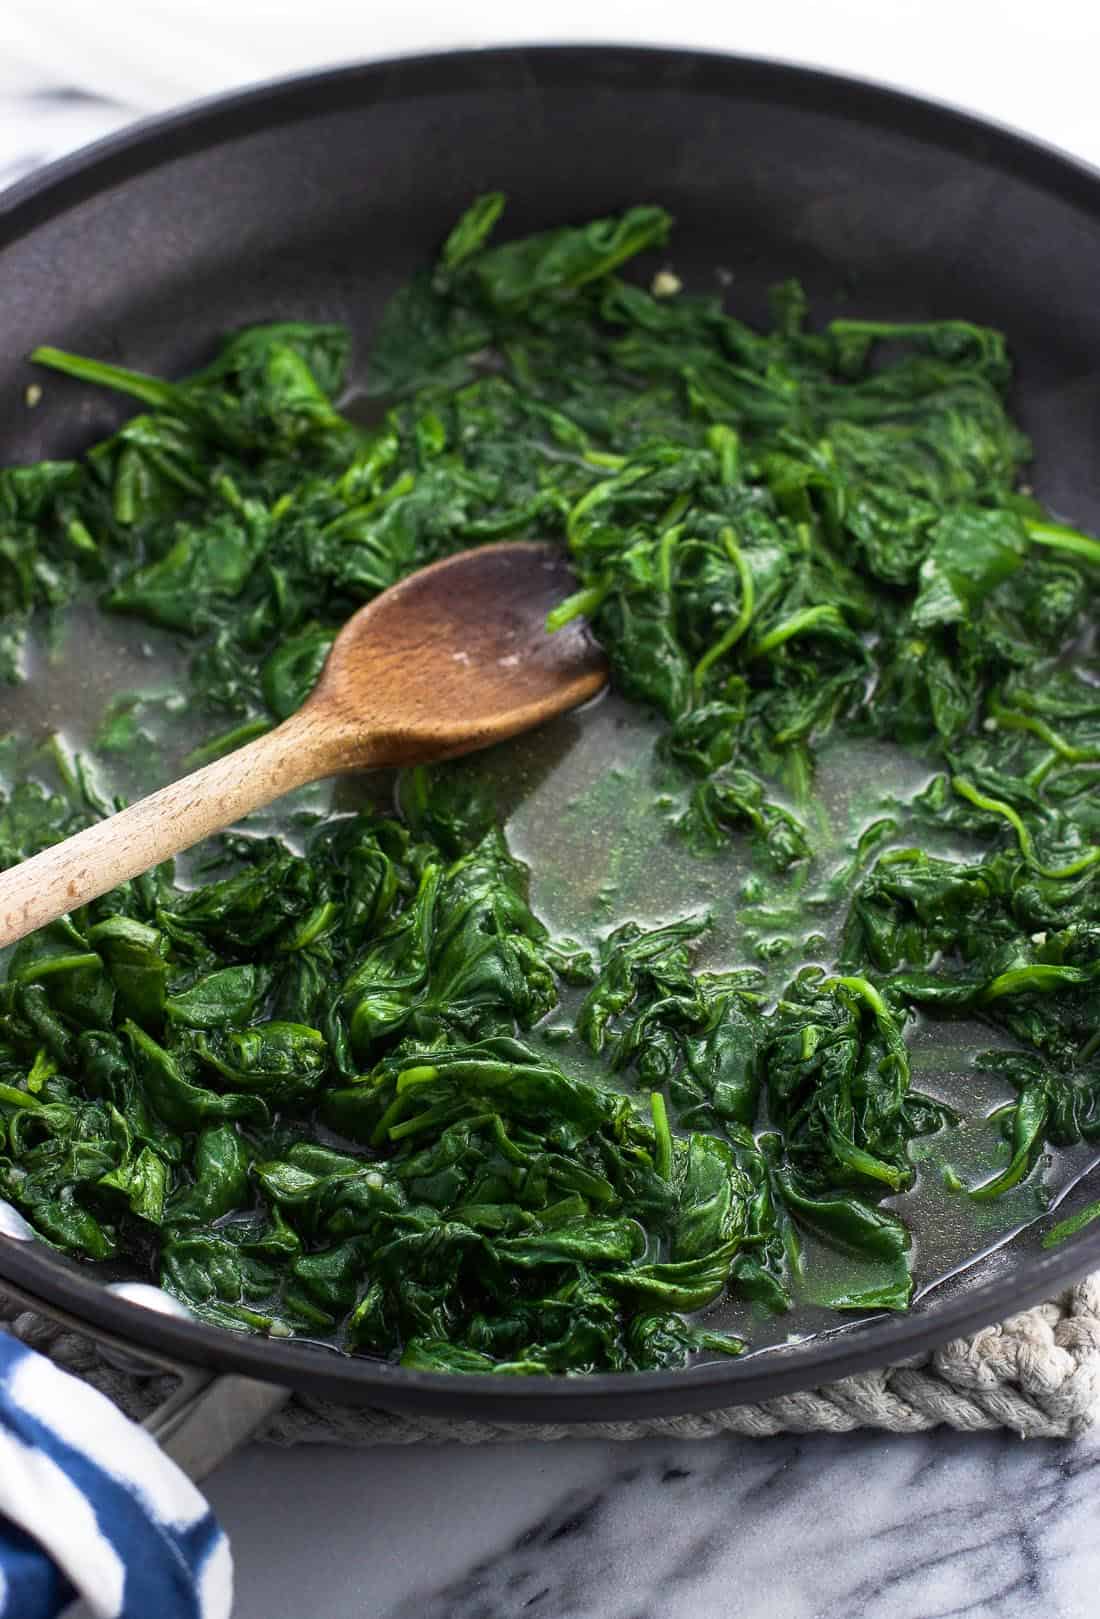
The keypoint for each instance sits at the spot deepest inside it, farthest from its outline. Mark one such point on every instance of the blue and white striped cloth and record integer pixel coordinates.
(91, 1507)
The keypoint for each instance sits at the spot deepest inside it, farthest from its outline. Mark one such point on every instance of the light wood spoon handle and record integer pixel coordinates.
(450, 659)
(70, 874)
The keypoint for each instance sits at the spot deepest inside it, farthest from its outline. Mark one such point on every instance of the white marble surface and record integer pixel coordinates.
(1012, 60)
(861, 1527)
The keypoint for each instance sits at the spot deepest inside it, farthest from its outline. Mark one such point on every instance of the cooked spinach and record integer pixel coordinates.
(328, 1089)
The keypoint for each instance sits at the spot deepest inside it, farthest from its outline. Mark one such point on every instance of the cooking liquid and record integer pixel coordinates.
(588, 805)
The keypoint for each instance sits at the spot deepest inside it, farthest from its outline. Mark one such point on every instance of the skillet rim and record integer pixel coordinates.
(151, 143)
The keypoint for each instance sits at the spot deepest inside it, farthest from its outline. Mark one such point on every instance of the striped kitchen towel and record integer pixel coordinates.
(90, 1507)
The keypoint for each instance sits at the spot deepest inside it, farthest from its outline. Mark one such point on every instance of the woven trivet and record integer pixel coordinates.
(1038, 1374)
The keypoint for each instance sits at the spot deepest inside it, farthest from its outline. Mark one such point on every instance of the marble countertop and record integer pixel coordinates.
(856, 1527)
(859, 1527)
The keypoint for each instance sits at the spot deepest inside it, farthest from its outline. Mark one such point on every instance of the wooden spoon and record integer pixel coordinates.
(449, 660)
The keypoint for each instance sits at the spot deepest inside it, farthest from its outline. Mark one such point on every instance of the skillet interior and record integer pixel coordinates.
(316, 199)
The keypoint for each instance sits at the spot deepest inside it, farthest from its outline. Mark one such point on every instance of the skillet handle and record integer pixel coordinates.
(206, 1417)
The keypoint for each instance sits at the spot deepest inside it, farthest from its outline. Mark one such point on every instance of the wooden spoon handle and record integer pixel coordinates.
(63, 878)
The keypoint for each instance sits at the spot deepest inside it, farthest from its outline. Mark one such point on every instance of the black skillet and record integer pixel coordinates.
(317, 197)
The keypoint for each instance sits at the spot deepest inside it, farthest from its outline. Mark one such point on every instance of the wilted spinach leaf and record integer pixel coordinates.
(315, 1092)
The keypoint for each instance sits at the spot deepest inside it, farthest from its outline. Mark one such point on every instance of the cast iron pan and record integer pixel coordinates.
(317, 197)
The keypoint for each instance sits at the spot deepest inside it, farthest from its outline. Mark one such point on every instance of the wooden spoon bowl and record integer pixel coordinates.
(452, 659)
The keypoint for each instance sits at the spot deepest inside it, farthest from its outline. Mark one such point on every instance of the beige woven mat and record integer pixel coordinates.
(1038, 1374)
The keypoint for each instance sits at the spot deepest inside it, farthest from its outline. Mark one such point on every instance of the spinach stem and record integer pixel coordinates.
(226, 741)
(744, 616)
(1070, 1227)
(664, 556)
(152, 391)
(1012, 720)
(601, 491)
(997, 806)
(581, 604)
(727, 447)
(662, 1136)
(805, 619)
(1060, 538)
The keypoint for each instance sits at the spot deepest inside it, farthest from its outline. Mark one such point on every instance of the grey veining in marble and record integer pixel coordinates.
(41, 121)
(861, 1527)
(858, 1527)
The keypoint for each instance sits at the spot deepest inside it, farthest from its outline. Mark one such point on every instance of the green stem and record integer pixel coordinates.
(1042, 977)
(70, 778)
(1036, 777)
(884, 1017)
(997, 806)
(675, 511)
(59, 964)
(805, 619)
(80, 538)
(12, 1096)
(876, 328)
(726, 445)
(150, 390)
(1010, 720)
(668, 544)
(581, 604)
(355, 515)
(866, 992)
(662, 1158)
(1060, 538)
(744, 616)
(599, 493)
(1070, 1227)
(226, 742)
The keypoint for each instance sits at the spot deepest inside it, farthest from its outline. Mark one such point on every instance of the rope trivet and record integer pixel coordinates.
(1038, 1373)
